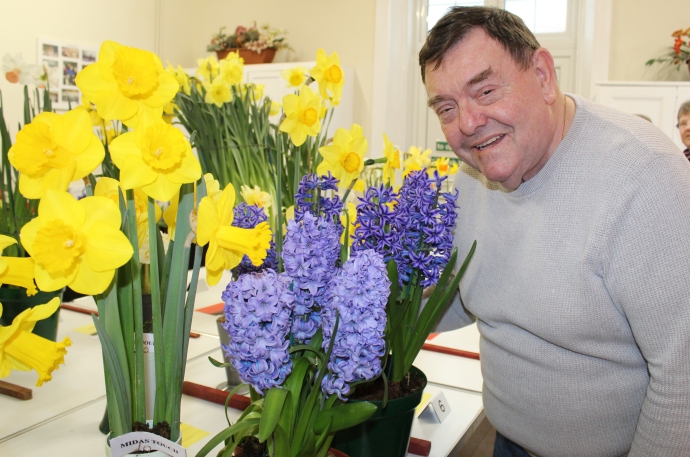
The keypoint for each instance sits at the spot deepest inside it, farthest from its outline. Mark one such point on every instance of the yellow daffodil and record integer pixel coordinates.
(170, 213)
(76, 243)
(16, 271)
(22, 350)
(295, 77)
(169, 112)
(90, 108)
(111, 133)
(444, 167)
(289, 215)
(156, 157)
(227, 244)
(181, 76)
(257, 91)
(352, 214)
(329, 75)
(217, 93)
(208, 69)
(302, 115)
(127, 84)
(231, 69)
(110, 188)
(54, 150)
(392, 155)
(417, 160)
(344, 158)
(275, 108)
(256, 197)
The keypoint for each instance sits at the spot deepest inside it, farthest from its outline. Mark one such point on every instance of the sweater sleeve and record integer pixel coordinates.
(646, 270)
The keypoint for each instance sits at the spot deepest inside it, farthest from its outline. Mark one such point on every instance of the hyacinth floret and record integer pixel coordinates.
(257, 319)
(426, 219)
(358, 293)
(310, 197)
(249, 216)
(376, 223)
(311, 251)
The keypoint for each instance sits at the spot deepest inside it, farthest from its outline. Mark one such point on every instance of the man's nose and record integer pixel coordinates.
(471, 118)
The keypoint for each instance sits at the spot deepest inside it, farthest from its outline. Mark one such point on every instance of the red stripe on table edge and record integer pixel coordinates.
(213, 309)
(450, 351)
(78, 309)
(417, 446)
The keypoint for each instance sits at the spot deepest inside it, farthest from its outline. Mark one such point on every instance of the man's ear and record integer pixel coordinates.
(543, 66)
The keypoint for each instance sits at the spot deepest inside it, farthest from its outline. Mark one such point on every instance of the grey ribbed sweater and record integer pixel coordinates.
(581, 289)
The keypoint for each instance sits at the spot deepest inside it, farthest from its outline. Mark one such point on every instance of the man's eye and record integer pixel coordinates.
(487, 92)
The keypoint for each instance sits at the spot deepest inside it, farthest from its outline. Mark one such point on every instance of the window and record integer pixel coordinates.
(541, 16)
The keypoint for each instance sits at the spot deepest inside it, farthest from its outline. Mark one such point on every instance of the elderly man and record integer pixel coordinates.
(580, 284)
(684, 126)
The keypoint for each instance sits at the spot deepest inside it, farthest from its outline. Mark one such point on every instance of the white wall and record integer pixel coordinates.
(82, 22)
(346, 27)
(641, 30)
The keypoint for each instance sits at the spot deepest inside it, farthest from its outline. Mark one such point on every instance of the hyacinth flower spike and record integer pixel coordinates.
(22, 350)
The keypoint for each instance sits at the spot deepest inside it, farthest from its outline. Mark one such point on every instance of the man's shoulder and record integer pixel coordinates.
(608, 128)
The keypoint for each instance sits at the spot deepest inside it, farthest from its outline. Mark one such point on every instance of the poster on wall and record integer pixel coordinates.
(63, 61)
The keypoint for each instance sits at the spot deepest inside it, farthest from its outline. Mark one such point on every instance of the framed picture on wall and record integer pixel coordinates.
(63, 61)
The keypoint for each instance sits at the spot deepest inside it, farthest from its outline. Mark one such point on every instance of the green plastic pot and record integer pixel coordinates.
(14, 301)
(387, 432)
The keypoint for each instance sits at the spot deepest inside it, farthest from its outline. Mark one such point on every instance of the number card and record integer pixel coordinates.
(438, 407)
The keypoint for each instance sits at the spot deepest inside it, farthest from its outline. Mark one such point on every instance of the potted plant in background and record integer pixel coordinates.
(253, 44)
(678, 54)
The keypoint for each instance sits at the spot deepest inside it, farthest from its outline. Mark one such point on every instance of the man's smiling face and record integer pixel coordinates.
(497, 117)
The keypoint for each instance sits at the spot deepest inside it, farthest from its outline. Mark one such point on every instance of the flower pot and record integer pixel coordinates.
(249, 56)
(331, 452)
(230, 372)
(14, 301)
(387, 432)
(108, 451)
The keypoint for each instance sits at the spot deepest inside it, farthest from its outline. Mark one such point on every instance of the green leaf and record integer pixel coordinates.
(295, 380)
(218, 364)
(273, 405)
(282, 442)
(344, 416)
(227, 433)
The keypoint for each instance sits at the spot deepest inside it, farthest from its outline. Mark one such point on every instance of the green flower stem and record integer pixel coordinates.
(159, 346)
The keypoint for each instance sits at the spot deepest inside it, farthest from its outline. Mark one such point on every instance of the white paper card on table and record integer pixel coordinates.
(144, 441)
(437, 407)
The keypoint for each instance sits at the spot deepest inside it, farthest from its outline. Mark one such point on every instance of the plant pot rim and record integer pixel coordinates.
(398, 405)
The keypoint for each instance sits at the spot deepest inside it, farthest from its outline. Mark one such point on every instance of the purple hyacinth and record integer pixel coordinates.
(310, 197)
(426, 219)
(358, 293)
(249, 216)
(258, 307)
(310, 254)
(376, 223)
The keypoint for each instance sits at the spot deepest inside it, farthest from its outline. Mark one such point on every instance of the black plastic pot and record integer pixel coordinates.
(387, 432)
(14, 301)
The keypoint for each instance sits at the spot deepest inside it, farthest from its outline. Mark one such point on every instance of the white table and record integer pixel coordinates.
(62, 419)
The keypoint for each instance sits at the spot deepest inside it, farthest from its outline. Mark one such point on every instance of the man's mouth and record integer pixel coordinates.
(491, 142)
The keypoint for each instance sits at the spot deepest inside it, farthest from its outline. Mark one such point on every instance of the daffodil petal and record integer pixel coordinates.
(91, 81)
(19, 272)
(27, 235)
(112, 105)
(213, 276)
(106, 59)
(207, 220)
(123, 146)
(6, 241)
(226, 204)
(61, 205)
(135, 173)
(100, 209)
(161, 188)
(188, 171)
(89, 159)
(73, 130)
(167, 88)
(90, 282)
(48, 283)
(108, 248)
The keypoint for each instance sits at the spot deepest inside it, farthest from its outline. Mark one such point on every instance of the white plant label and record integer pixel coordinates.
(438, 406)
(148, 342)
(144, 441)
